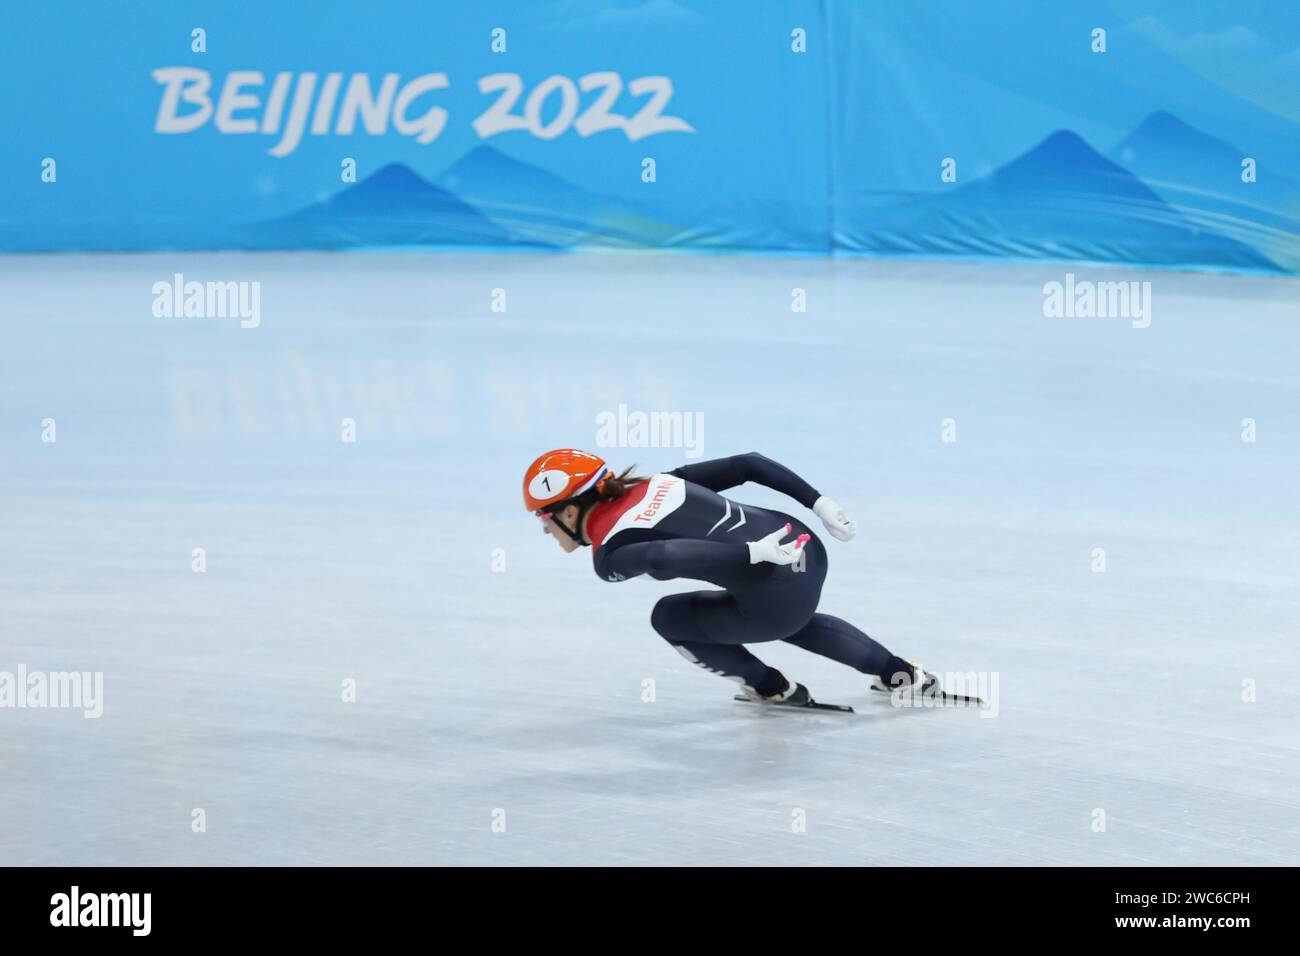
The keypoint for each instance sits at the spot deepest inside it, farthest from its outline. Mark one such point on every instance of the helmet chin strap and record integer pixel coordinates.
(575, 535)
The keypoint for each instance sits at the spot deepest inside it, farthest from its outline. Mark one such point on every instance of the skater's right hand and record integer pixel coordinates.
(771, 550)
(837, 522)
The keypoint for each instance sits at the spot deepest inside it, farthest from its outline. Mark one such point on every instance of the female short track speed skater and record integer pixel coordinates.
(769, 565)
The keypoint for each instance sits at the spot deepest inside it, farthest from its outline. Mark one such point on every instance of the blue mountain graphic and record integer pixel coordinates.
(530, 202)
(392, 207)
(1061, 199)
(1200, 176)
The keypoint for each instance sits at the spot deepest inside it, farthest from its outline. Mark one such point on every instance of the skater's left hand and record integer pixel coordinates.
(833, 516)
(771, 550)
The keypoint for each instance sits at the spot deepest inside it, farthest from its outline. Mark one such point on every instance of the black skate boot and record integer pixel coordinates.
(908, 685)
(794, 694)
(908, 680)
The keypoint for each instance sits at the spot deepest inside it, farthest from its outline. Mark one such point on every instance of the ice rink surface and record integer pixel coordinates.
(512, 708)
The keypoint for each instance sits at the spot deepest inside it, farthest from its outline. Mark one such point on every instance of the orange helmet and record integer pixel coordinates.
(560, 475)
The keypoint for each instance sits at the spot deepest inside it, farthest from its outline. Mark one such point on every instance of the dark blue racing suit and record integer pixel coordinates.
(677, 525)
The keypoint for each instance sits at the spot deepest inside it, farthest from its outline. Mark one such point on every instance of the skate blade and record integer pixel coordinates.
(811, 705)
(959, 698)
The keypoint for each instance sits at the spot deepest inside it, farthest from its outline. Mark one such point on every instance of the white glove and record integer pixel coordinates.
(833, 516)
(771, 549)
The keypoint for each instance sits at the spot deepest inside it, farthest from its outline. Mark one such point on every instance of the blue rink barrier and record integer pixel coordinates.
(1085, 130)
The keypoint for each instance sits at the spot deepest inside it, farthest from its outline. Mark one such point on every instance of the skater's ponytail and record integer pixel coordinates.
(615, 486)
